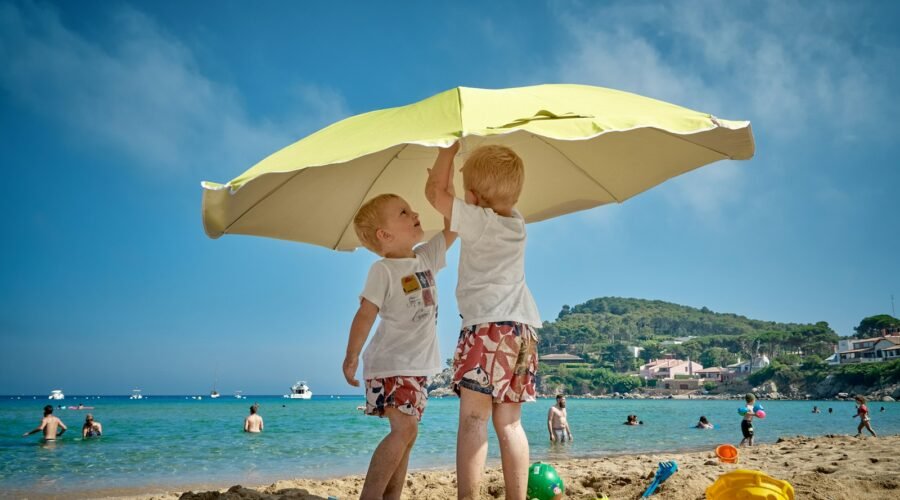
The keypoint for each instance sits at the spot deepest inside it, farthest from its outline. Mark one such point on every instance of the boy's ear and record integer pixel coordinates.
(471, 197)
(383, 235)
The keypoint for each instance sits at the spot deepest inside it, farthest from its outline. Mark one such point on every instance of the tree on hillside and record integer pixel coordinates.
(717, 356)
(651, 350)
(873, 325)
(619, 356)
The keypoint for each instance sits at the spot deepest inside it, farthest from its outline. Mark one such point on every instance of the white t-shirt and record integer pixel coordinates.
(405, 341)
(491, 286)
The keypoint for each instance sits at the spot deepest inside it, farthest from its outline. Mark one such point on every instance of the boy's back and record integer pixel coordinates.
(491, 284)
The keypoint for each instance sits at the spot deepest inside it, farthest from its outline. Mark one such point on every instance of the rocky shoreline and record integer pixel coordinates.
(827, 389)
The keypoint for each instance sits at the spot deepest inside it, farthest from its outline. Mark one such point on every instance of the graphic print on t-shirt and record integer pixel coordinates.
(410, 284)
(427, 298)
(421, 295)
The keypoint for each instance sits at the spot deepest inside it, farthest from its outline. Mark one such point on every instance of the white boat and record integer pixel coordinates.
(239, 395)
(136, 394)
(56, 394)
(214, 394)
(299, 391)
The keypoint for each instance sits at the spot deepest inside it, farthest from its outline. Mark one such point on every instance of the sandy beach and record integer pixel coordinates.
(833, 467)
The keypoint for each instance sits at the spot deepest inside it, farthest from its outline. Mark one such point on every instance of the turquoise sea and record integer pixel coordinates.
(172, 442)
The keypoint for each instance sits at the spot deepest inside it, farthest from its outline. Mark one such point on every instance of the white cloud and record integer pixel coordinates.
(783, 63)
(141, 93)
(791, 69)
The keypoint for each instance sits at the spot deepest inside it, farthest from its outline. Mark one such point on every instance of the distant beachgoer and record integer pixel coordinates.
(633, 420)
(747, 421)
(703, 423)
(862, 411)
(816, 409)
(49, 425)
(90, 427)
(882, 408)
(557, 421)
(253, 422)
(830, 410)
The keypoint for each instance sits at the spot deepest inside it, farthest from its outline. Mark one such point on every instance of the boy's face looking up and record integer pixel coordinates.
(400, 230)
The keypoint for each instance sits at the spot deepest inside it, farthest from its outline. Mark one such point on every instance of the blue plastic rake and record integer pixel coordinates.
(665, 471)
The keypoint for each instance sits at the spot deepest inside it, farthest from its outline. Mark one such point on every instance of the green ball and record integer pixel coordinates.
(544, 482)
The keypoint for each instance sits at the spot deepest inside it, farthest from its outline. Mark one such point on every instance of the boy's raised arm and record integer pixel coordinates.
(439, 188)
(359, 332)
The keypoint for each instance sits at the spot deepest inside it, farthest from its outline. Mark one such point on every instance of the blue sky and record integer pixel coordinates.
(113, 112)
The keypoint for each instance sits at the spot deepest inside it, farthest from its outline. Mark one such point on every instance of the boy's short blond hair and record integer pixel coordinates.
(496, 173)
(369, 218)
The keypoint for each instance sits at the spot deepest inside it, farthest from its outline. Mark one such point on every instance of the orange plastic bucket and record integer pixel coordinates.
(727, 453)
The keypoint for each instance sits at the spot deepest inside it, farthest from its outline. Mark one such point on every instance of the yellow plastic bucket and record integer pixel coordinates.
(727, 453)
(749, 485)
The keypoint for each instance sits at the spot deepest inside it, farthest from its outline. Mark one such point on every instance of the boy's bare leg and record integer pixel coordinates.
(390, 454)
(471, 441)
(398, 480)
(513, 448)
(869, 428)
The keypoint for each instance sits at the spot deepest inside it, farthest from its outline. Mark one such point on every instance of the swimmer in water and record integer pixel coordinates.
(51, 426)
(253, 422)
(90, 427)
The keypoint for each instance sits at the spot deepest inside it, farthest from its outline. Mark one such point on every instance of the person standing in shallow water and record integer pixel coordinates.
(49, 425)
(91, 428)
(253, 422)
(557, 421)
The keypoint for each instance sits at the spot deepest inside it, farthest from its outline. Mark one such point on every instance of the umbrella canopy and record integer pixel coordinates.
(582, 146)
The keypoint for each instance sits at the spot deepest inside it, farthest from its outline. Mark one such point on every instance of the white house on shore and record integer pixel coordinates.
(870, 350)
(669, 368)
(744, 368)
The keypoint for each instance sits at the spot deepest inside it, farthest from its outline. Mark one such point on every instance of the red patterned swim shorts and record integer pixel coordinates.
(407, 394)
(499, 359)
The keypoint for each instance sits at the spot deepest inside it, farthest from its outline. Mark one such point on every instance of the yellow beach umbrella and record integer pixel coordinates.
(582, 146)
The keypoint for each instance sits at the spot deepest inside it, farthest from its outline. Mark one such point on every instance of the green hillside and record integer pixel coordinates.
(602, 329)
(605, 331)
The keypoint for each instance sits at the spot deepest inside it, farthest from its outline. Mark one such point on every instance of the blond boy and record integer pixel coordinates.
(496, 358)
(401, 289)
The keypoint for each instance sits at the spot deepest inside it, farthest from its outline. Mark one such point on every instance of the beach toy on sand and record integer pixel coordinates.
(544, 482)
(666, 469)
(727, 453)
(760, 414)
(749, 485)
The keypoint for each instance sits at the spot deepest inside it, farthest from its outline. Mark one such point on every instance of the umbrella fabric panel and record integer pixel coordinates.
(435, 119)
(486, 112)
(310, 205)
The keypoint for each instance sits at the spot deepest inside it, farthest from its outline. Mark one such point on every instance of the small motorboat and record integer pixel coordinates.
(299, 391)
